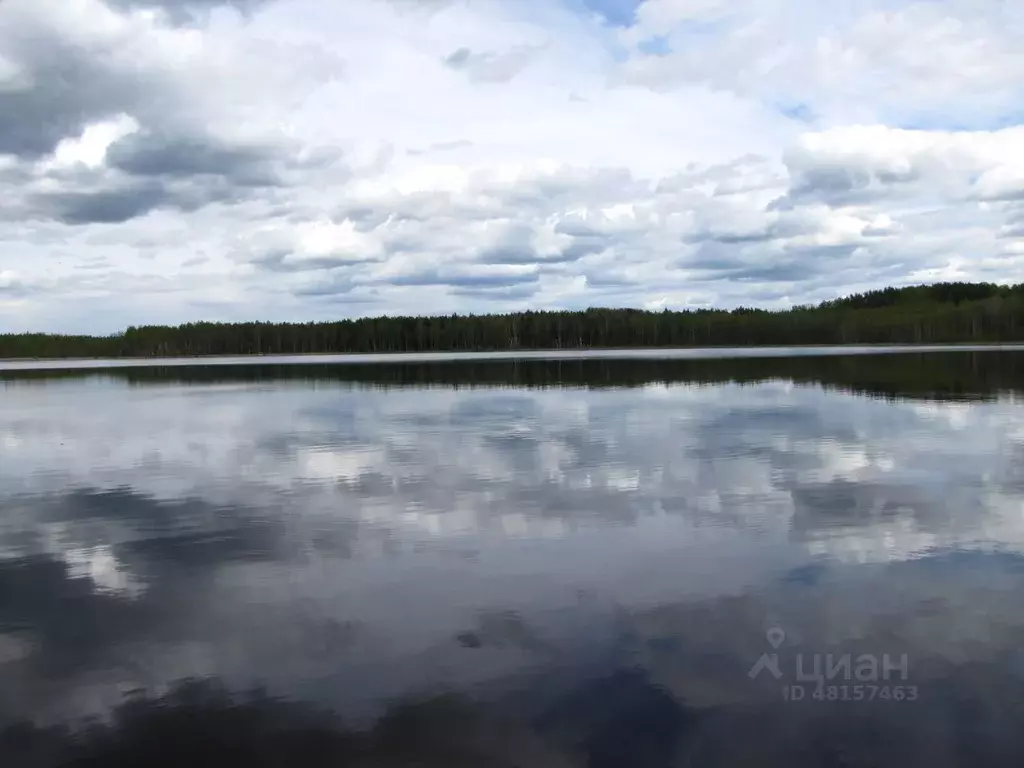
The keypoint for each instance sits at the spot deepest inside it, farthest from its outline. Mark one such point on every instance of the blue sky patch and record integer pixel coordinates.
(619, 13)
(797, 111)
(655, 46)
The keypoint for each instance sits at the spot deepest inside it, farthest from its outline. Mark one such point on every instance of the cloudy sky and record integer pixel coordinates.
(175, 160)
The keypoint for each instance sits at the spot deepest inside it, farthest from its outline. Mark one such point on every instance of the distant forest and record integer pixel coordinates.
(943, 312)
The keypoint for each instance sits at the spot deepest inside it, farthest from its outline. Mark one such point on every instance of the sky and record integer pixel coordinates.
(166, 161)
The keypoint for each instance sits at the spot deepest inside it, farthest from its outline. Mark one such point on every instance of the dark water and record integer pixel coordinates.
(573, 562)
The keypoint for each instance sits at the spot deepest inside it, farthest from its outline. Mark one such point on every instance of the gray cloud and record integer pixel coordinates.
(274, 261)
(185, 11)
(733, 238)
(712, 255)
(152, 153)
(1008, 195)
(369, 216)
(61, 87)
(836, 186)
(13, 288)
(1014, 225)
(110, 206)
(812, 254)
(576, 226)
(458, 59)
(277, 260)
(724, 260)
(116, 201)
(608, 280)
(582, 247)
(68, 76)
(334, 286)
(509, 254)
(444, 277)
(504, 293)
(489, 67)
(514, 255)
(786, 272)
(146, 171)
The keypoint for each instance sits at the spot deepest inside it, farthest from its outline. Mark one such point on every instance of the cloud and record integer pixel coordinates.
(334, 286)
(404, 148)
(104, 116)
(282, 261)
(154, 154)
(863, 62)
(468, 278)
(106, 206)
(57, 79)
(140, 177)
(862, 163)
(490, 67)
(184, 11)
(11, 286)
(505, 293)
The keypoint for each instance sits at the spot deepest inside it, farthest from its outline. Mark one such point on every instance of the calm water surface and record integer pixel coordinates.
(578, 562)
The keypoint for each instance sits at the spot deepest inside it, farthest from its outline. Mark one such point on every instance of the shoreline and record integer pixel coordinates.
(529, 351)
(574, 353)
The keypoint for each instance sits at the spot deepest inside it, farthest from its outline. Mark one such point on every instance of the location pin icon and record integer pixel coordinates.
(776, 637)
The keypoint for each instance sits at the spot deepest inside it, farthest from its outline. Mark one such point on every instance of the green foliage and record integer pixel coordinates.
(944, 312)
(924, 295)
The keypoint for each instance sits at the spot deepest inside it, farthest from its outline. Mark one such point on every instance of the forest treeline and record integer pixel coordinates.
(942, 312)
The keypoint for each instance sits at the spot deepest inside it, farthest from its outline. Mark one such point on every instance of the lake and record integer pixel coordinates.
(808, 557)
